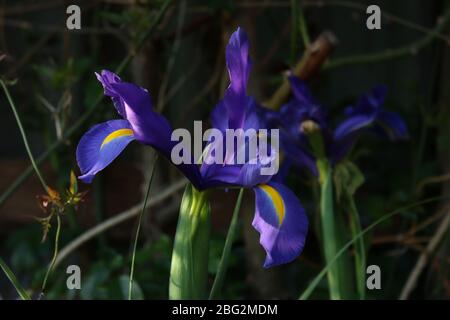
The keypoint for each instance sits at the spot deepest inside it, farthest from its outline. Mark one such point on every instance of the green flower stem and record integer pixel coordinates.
(24, 136)
(10, 275)
(223, 265)
(189, 268)
(138, 228)
(328, 224)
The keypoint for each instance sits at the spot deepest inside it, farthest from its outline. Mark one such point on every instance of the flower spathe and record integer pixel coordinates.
(279, 217)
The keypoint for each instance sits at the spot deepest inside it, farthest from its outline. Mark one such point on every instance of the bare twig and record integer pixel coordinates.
(423, 259)
(339, 3)
(315, 55)
(392, 53)
(29, 26)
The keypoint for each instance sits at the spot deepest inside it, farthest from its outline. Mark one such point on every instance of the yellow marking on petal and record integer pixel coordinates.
(277, 201)
(117, 134)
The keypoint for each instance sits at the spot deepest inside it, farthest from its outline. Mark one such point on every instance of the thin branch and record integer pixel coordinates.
(423, 259)
(29, 26)
(388, 54)
(339, 3)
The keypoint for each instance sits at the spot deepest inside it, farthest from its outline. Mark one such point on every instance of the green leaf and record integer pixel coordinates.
(308, 291)
(19, 289)
(347, 178)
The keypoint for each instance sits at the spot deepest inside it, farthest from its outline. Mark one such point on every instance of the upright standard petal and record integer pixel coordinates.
(238, 64)
(101, 145)
(107, 78)
(281, 221)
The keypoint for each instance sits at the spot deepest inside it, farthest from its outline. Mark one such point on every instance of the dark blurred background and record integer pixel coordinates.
(182, 64)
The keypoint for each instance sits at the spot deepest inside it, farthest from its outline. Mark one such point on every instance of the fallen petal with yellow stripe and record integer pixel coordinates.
(281, 221)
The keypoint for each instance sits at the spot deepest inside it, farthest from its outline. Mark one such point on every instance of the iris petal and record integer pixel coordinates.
(297, 151)
(219, 119)
(101, 145)
(353, 124)
(393, 125)
(301, 91)
(149, 127)
(152, 128)
(135, 105)
(281, 221)
(238, 64)
(107, 78)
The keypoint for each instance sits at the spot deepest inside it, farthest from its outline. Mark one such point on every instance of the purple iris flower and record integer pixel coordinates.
(279, 217)
(303, 113)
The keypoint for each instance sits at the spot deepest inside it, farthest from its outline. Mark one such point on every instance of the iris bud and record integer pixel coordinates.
(309, 127)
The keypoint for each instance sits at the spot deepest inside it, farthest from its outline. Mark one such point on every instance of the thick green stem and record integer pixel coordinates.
(328, 226)
(189, 268)
(223, 265)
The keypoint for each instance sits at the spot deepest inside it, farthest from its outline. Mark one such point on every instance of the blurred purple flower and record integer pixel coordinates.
(297, 116)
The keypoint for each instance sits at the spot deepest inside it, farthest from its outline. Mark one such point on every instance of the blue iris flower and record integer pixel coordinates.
(279, 217)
